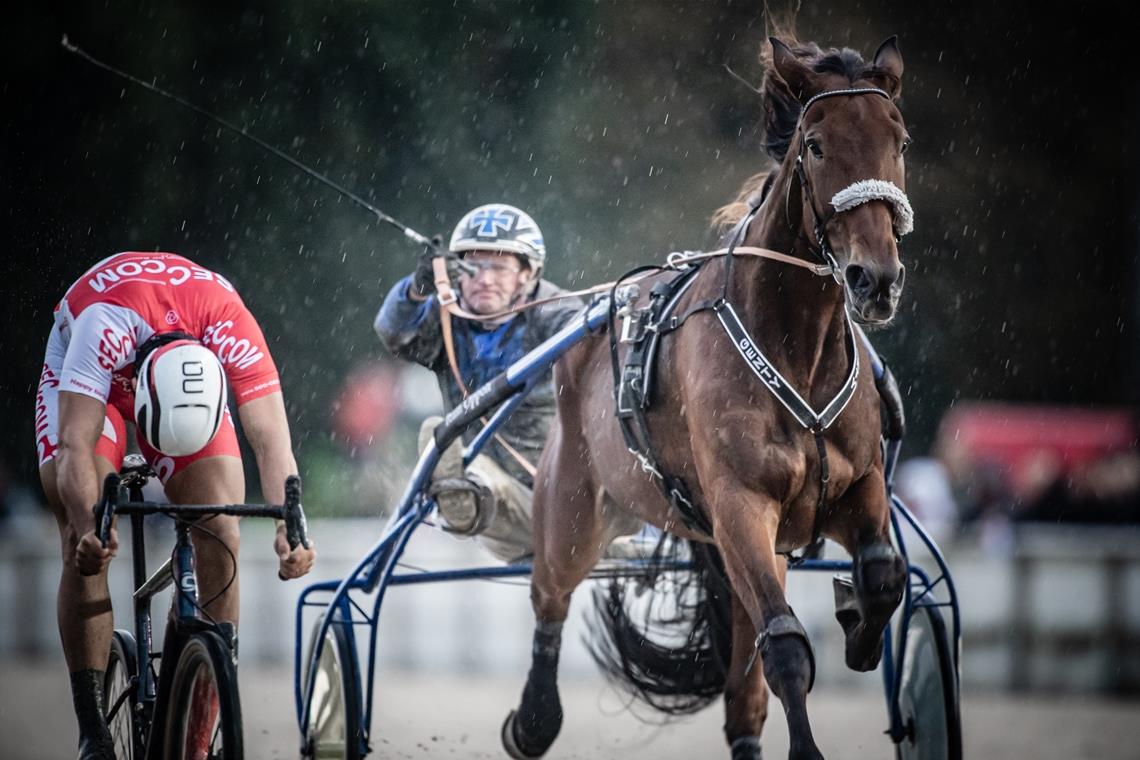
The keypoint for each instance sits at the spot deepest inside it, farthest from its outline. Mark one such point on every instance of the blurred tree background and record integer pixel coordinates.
(614, 123)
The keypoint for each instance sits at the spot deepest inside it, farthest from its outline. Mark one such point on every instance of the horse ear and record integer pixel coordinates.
(795, 74)
(888, 67)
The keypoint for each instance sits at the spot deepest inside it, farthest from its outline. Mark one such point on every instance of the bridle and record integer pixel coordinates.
(814, 421)
(853, 195)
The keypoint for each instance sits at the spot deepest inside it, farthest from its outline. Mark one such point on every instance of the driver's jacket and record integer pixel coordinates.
(412, 331)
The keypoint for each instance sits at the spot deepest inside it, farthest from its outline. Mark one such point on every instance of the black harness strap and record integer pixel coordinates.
(631, 395)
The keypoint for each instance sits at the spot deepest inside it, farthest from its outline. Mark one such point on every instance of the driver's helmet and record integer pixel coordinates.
(499, 227)
(180, 397)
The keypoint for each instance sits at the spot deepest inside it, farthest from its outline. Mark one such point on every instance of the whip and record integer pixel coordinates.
(380, 215)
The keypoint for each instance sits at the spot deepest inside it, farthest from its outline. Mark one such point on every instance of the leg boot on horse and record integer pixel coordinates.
(569, 538)
(865, 603)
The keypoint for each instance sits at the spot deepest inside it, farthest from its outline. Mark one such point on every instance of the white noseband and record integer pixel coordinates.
(877, 190)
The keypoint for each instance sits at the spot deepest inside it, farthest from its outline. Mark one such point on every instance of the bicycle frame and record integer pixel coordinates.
(179, 570)
(375, 572)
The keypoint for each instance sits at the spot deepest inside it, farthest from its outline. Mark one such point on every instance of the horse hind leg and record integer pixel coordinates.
(865, 602)
(568, 536)
(530, 729)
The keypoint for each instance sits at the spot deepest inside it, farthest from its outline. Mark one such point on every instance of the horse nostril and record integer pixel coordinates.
(897, 285)
(859, 280)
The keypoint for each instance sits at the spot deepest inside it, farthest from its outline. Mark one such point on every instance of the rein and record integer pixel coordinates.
(449, 305)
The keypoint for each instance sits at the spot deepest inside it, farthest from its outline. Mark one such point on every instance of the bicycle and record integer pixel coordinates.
(193, 709)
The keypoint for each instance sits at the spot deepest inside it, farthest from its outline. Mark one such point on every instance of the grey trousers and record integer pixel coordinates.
(509, 535)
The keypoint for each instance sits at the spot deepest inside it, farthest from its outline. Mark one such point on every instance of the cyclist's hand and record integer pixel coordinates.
(90, 556)
(293, 562)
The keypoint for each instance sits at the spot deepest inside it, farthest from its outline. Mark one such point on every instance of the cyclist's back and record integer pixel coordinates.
(124, 300)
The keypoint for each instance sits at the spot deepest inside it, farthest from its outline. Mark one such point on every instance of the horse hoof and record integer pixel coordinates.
(746, 748)
(511, 741)
(863, 655)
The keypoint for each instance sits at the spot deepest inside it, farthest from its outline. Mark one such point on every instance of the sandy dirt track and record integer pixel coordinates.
(432, 716)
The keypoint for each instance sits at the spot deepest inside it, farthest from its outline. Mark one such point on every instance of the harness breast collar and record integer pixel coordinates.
(633, 380)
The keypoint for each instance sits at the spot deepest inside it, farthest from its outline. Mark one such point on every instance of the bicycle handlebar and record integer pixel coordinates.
(292, 512)
(105, 509)
(296, 528)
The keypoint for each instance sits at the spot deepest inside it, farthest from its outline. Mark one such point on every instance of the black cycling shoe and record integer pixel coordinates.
(96, 747)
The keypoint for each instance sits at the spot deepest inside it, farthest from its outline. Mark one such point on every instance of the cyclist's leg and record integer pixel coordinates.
(83, 605)
(214, 475)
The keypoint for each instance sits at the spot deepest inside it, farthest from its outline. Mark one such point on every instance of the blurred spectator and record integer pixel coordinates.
(1042, 463)
(1106, 490)
(923, 483)
(363, 467)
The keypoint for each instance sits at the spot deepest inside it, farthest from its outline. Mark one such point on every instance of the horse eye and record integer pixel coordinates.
(816, 151)
(905, 145)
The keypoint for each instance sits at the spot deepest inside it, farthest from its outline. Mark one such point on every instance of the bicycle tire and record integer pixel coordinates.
(121, 678)
(928, 692)
(204, 709)
(334, 727)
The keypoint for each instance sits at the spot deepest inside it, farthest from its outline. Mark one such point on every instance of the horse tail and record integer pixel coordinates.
(669, 647)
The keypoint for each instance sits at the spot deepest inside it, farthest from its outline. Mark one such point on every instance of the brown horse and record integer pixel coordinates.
(757, 477)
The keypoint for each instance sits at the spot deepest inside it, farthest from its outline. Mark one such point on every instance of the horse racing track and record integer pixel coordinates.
(430, 716)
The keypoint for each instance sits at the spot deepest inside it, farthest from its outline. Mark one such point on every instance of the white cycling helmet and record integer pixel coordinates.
(180, 397)
(499, 227)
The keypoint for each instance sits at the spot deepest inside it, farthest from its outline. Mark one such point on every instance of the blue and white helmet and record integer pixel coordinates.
(499, 227)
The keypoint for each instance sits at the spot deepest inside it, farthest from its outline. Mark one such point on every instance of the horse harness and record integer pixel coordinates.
(643, 329)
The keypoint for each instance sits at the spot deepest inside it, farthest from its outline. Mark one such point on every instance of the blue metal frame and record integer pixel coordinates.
(375, 573)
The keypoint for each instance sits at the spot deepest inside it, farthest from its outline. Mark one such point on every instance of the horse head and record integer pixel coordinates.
(842, 141)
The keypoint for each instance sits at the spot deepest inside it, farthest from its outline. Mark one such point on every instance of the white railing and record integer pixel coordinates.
(1060, 611)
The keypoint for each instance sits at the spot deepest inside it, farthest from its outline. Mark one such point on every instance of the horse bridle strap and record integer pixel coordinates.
(855, 194)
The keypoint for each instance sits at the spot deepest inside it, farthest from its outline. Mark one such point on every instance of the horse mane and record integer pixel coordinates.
(782, 109)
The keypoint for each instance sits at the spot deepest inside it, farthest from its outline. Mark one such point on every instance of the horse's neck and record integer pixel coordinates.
(796, 318)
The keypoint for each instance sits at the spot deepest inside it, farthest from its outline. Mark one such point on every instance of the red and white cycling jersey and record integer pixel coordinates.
(120, 303)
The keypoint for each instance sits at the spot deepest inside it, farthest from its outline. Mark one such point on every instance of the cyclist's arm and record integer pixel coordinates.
(103, 338)
(267, 430)
(80, 424)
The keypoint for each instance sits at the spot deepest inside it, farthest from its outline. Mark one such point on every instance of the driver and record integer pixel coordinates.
(504, 253)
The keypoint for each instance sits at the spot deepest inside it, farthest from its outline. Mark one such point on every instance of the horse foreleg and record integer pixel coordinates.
(745, 693)
(745, 530)
(568, 540)
(864, 606)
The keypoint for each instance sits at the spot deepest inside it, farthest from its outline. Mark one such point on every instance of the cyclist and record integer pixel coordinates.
(178, 332)
(504, 253)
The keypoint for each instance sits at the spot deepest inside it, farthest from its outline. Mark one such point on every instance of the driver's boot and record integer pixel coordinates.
(466, 505)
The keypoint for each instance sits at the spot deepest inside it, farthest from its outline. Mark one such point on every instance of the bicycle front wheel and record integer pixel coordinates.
(203, 718)
(119, 696)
